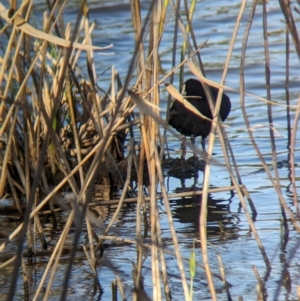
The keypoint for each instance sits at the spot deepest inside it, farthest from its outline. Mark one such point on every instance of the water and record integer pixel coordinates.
(236, 245)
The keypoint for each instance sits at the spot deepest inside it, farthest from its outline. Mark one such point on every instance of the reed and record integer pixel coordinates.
(63, 141)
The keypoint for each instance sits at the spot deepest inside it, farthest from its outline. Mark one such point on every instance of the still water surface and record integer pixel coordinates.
(239, 251)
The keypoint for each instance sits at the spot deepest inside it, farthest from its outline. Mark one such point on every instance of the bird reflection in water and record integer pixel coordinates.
(220, 221)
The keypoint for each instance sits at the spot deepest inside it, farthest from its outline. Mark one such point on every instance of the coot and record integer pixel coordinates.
(189, 124)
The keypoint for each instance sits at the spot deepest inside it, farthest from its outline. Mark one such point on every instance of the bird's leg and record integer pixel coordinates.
(203, 144)
(182, 181)
(193, 143)
(183, 148)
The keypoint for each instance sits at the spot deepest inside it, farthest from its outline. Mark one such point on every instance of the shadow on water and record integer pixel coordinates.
(220, 221)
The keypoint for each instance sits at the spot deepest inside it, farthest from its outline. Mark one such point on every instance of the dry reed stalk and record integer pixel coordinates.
(270, 117)
(289, 18)
(219, 125)
(182, 26)
(92, 258)
(159, 239)
(14, 193)
(3, 14)
(203, 215)
(189, 16)
(92, 73)
(26, 28)
(92, 263)
(137, 25)
(148, 246)
(38, 227)
(250, 134)
(7, 153)
(175, 37)
(28, 234)
(16, 155)
(262, 293)
(146, 199)
(193, 37)
(164, 273)
(140, 200)
(26, 148)
(79, 51)
(142, 67)
(15, 62)
(56, 91)
(153, 204)
(146, 108)
(13, 111)
(47, 108)
(292, 132)
(52, 193)
(162, 19)
(54, 259)
(46, 190)
(172, 228)
(133, 200)
(4, 65)
(129, 200)
(285, 278)
(57, 86)
(255, 233)
(175, 68)
(114, 289)
(120, 286)
(292, 155)
(251, 204)
(25, 280)
(156, 291)
(222, 272)
(124, 191)
(8, 262)
(222, 86)
(63, 162)
(121, 240)
(154, 216)
(99, 118)
(255, 146)
(288, 114)
(84, 195)
(74, 129)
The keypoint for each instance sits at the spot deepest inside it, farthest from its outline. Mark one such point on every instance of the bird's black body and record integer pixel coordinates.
(189, 124)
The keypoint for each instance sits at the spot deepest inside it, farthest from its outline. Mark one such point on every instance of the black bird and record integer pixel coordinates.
(189, 124)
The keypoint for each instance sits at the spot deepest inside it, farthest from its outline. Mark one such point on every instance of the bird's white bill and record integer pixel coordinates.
(183, 92)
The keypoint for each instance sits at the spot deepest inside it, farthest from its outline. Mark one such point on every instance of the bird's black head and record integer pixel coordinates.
(193, 87)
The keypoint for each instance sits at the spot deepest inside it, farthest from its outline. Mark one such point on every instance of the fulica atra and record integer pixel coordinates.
(189, 124)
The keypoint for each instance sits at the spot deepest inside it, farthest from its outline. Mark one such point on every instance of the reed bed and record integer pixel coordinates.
(67, 145)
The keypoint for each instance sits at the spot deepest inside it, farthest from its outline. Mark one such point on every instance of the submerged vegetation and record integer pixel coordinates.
(68, 145)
